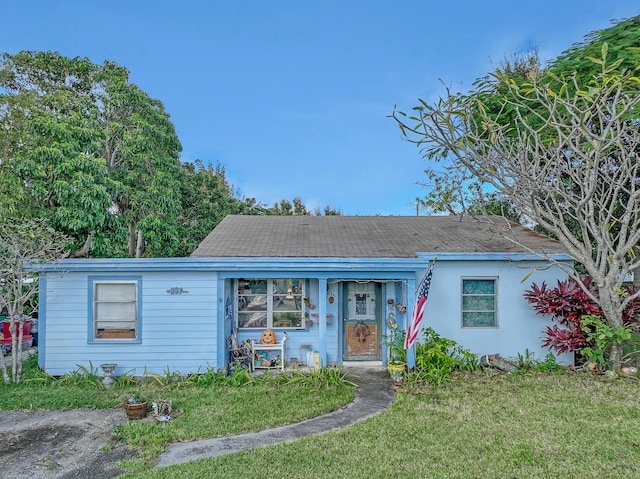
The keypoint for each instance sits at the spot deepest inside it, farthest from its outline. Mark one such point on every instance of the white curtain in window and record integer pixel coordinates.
(115, 305)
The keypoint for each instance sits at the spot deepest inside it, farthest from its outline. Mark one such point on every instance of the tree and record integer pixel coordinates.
(328, 210)
(456, 190)
(284, 208)
(568, 153)
(495, 205)
(49, 147)
(91, 152)
(298, 208)
(141, 150)
(622, 40)
(21, 242)
(205, 199)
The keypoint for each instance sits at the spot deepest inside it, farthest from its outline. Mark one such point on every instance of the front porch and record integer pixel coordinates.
(344, 321)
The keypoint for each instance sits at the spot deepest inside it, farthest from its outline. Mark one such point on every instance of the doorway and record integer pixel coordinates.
(362, 332)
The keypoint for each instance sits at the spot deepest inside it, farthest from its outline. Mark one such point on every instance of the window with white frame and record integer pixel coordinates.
(479, 303)
(270, 303)
(115, 312)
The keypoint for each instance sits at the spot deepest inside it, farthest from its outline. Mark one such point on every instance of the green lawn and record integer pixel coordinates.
(478, 425)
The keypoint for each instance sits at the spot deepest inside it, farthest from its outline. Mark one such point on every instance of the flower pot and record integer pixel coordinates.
(136, 411)
(396, 371)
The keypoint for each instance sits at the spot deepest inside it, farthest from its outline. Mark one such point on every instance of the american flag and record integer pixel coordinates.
(418, 309)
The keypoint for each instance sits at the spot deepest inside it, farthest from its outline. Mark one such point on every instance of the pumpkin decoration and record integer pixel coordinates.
(268, 337)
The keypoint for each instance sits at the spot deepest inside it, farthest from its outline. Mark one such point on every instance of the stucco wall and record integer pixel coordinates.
(519, 328)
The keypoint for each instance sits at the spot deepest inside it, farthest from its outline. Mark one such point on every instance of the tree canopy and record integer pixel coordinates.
(206, 197)
(297, 207)
(90, 152)
(87, 150)
(562, 149)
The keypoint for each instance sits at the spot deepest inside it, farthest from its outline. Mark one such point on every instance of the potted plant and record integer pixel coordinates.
(397, 363)
(308, 303)
(135, 408)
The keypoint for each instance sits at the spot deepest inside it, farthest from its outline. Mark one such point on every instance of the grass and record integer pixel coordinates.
(210, 404)
(478, 425)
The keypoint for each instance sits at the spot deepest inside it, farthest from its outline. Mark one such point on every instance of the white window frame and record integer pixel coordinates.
(271, 293)
(134, 323)
(495, 324)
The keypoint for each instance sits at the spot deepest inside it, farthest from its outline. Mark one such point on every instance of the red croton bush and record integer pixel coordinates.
(567, 303)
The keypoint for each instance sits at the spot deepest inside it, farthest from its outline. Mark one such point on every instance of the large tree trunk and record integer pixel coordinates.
(611, 305)
(136, 241)
(132, 239)
(140, 244)
(84, 251)
(615, 356)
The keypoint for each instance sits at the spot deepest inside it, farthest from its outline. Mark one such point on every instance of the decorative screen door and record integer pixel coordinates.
(361, 321)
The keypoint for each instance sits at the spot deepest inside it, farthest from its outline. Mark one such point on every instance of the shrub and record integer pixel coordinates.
(528, 363)
(567, 304)
(437, 358)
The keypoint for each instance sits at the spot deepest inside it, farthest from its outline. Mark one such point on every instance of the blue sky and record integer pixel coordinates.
(292, 97)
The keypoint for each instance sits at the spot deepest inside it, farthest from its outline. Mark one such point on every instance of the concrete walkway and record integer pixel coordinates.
(375, 394)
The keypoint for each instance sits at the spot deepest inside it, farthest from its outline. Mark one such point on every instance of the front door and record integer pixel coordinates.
(361, 321)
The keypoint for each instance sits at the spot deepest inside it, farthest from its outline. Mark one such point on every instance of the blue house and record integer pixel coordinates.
(334, 285)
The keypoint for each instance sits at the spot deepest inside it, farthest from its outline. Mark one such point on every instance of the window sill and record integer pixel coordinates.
(117, 334)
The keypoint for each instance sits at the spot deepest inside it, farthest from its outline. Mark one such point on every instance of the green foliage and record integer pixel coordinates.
(622, 39)
(527, 363)
(437, 358)
(239, 377)
(297, 208)
(168, 379)
(395, 343)
(495, 205)
(560, 148)
(85, 149)
(50, 149)
(325, 377)
(124, 381)
(456, 188)
(31, 372)
(549, 364)
(97, 157)
(82, 376)
(602, 337)
(205, 199)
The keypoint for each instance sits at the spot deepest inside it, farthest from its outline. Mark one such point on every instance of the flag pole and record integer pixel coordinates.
(413, 327)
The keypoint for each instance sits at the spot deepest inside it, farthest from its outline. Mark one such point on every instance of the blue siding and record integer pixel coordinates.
(310, 335)
(187, 332)
(179, 332)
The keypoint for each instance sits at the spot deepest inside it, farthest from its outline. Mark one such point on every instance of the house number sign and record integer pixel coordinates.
(175, 290)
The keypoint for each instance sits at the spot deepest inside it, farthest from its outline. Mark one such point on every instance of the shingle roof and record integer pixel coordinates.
(366, 237)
